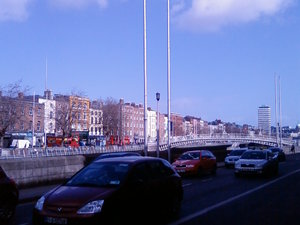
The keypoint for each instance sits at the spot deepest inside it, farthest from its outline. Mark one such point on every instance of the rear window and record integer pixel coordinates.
(237, 152)
(190, 156)
(100, 174)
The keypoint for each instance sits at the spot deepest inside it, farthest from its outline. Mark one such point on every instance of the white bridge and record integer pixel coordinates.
(234, 140)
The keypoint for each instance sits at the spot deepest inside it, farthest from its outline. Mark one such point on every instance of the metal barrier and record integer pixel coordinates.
(175, 142)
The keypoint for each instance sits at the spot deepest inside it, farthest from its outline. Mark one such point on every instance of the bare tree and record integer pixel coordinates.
(111, 116)
(10, 107)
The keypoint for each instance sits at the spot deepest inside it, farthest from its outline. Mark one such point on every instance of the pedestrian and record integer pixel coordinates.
(293, 149)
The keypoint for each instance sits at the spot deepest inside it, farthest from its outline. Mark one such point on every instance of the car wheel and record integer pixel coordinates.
(174, 208)
(214, 170)
(7, 210)
(237, 175)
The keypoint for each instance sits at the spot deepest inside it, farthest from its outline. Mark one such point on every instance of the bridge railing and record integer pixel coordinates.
(175, 142)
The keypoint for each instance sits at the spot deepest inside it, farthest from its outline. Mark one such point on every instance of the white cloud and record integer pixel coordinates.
(15, 10)
(79, 3)
(212, 15)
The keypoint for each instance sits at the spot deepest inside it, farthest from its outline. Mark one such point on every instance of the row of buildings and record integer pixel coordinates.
(36, 117)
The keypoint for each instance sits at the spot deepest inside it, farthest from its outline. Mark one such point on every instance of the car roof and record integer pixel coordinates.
(127, 159)
(116, 154)
(239, 149)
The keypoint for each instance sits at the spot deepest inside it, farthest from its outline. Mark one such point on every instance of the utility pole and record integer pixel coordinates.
(145, 83)
(169, 86)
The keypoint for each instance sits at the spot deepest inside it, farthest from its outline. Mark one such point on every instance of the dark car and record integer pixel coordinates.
(279, 152)
(197, 162)
(117, 154)
(260, 162)
(9, 196)
(119, 190)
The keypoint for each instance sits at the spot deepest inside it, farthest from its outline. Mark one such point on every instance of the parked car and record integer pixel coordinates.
(9, 196)
(117, 154)
(196, 162)
(233, 156)
(118, 190)
(262, 162)
(279, 152)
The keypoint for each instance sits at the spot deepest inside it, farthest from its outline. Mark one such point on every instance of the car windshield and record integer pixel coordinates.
(237, 152)
(190, 156)
(254, 155)
(100, 174)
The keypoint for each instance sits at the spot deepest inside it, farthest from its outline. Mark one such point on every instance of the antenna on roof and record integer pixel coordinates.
(46, 73)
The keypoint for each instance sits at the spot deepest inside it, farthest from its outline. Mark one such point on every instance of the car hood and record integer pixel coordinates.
(77, 196)
(252, 161)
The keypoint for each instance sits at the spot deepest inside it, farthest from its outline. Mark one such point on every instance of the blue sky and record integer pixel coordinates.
(224, 53)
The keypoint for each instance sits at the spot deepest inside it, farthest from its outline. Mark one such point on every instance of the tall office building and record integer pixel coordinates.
(264, 119)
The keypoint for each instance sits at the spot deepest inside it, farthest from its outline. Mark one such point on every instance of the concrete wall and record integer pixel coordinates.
(34, 171)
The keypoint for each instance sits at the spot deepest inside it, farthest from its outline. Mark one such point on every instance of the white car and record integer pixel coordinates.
(234, 156)
(257, 162)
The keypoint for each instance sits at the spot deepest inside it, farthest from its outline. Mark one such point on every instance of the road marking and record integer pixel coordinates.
(205, 180)
(210, 208)
(185, 185)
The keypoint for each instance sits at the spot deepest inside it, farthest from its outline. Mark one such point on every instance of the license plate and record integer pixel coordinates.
(180, 171)
(54, 220)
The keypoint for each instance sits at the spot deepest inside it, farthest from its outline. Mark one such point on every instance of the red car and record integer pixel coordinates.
(118, 190)
(9, 196)
(196, 162)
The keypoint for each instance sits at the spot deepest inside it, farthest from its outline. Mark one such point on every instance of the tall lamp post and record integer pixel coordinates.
(157, 126)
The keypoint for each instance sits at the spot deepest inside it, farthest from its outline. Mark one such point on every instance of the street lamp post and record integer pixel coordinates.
(157, 126)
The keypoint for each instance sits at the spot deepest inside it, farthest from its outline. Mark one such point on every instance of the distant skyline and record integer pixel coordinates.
(224, 53)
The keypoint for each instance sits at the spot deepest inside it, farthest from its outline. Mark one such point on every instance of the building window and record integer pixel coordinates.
(84, 115)
(92, 120)
(96, 130)
(92, 129)
(38, 126)
(95, 120)
(30, 111)
(39, 112)
(51, 115)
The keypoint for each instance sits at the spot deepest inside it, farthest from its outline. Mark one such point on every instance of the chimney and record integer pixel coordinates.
(21, 95)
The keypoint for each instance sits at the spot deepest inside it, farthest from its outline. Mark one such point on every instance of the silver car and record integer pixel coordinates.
(262, 162)
(234, 156)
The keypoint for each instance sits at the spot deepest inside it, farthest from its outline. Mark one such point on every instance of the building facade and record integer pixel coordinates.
(96, 120)
(264, 119)
(131, 122)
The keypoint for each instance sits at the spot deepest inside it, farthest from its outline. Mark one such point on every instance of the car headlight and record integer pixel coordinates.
(40, 203)
(91, 207)
(189, 166)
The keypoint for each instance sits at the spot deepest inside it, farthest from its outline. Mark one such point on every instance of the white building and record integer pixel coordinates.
(49, 113)
(264, 119)
(152, 123)
(96, 121)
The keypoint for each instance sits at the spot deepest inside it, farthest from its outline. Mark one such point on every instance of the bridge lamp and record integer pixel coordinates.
(157, 125)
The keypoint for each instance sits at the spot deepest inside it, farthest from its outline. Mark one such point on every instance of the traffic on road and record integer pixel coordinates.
(206, 199)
